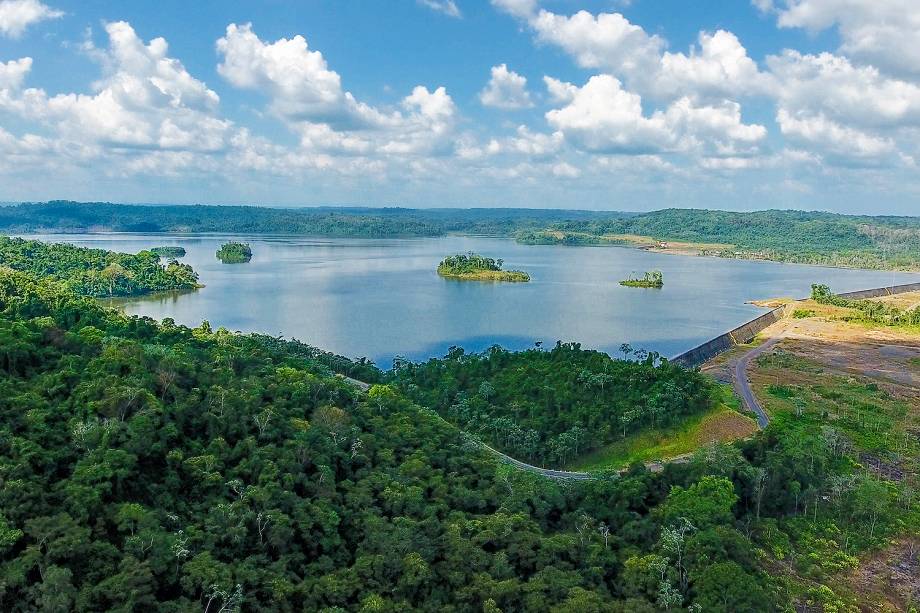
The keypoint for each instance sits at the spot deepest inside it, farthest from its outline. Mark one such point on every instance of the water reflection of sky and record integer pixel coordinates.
(380, 298)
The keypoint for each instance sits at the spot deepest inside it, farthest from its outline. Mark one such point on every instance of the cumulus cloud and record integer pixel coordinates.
(604, 117)
(720, 66)
(146, 100)
(17, 15)
(506, 90)
(13, 72)
(885, 33)
(832, 138)
(308, 95)
(448, 7)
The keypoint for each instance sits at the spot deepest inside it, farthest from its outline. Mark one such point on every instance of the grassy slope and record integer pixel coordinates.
(723, 423)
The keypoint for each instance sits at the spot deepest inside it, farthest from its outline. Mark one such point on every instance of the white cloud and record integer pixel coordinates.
(13, 72)
(831, 137)
(146, 100)
(885, 33)
(448, 7)
(720, 67)
(606, 40)
(604, 117)
(308, 95)
(560, 91)
(298, 79)
(506, 90)
(859, 95)
(17, 15)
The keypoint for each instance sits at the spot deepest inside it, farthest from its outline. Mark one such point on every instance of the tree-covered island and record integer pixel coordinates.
(169, 252)
(653, 279)
(234, 253)
(475, 267)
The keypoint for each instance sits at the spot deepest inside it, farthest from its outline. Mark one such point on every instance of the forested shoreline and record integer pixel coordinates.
(857, 241)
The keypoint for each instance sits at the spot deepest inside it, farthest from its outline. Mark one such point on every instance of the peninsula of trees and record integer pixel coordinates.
(169, 252)
(652, 279)
(234, 253)
(475, 267)
(96, 272)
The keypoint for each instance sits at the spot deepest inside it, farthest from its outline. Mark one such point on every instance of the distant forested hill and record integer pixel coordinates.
(65, 216)
(793, 236)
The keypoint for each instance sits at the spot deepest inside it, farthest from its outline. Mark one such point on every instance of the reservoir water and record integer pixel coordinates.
(379, 298)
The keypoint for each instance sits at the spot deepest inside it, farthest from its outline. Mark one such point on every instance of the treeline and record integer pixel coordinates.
(66, 216)
(794, 236)
(96, 272)
(149, 466)
(548, 407)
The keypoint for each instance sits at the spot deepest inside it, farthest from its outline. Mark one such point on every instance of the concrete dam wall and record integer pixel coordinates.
(745, 333)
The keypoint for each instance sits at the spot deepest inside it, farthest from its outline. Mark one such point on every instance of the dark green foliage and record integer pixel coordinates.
(467, 263)
(234, 253)
(147, 466)
(96, 272)
(551, 406)
(169, 252)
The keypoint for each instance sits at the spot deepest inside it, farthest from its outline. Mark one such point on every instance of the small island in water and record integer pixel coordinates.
(474, 267)
(234, 253)
(169, 252)
(652, 279)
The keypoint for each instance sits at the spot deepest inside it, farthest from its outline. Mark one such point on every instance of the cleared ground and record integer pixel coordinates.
(861, 383)
(723, 424)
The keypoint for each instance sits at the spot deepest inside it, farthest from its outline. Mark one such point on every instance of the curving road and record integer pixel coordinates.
(742, 384)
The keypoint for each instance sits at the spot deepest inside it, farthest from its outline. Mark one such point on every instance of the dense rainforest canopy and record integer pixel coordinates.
(795, 236)
(550, 406)
(96, 272)
(148, 466)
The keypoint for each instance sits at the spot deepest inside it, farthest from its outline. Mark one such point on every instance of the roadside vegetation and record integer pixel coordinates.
(475, 267)
(234, 253)
(654, 280)
(96, 272)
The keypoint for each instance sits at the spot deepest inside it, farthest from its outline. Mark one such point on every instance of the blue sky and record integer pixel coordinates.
(627, 105)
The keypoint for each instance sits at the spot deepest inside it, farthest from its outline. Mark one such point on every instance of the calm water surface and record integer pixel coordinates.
(381, 298)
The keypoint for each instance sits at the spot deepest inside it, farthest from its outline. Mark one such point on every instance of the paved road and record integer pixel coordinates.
(743, 385)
